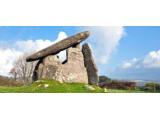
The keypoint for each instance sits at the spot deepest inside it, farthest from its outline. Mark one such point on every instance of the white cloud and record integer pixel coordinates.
(126, 65)
(32, 45)
(61, 35)
(104, 41)
(146, 68)
(36, 45)
(9, 55)
(151, 60)
(130, 63)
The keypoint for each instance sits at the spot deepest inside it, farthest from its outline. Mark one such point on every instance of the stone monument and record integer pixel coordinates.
(79, 66)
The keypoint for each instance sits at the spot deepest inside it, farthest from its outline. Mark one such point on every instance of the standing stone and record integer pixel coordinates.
(74, 69)
(46, 68)
(71, 71)
(79, 66)
(90, 65)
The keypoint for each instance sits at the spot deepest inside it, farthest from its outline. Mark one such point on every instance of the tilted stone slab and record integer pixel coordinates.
(90, 65)
(60, 46)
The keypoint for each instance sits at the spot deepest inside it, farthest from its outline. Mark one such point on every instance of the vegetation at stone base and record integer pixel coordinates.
(125, 91)
(151, 87)
(104, 79)
(51, 86)
(116, 86)
(122, 85)
(105, 82)
(6, 81)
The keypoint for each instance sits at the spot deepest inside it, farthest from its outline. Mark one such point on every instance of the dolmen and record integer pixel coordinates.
(79, 66)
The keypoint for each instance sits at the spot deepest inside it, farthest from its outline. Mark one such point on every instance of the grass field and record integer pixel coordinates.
(50, 86)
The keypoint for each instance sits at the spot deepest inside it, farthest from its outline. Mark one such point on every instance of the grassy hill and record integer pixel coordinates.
(51, 86)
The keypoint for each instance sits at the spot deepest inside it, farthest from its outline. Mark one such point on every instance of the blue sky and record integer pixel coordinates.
(13, 33)
(137, 42)
(119, 51)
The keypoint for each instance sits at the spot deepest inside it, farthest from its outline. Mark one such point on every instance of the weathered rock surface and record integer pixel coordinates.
(46, 68)
(60, 46)
(72, 70)
(90, 65)
(78, 67)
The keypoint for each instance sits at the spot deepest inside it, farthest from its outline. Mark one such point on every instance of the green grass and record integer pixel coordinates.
(53, 87)
(56, 87)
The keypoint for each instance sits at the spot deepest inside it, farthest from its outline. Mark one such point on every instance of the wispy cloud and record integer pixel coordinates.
(151, 60)
(147, 67)
(8, 56)
(104, 41)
